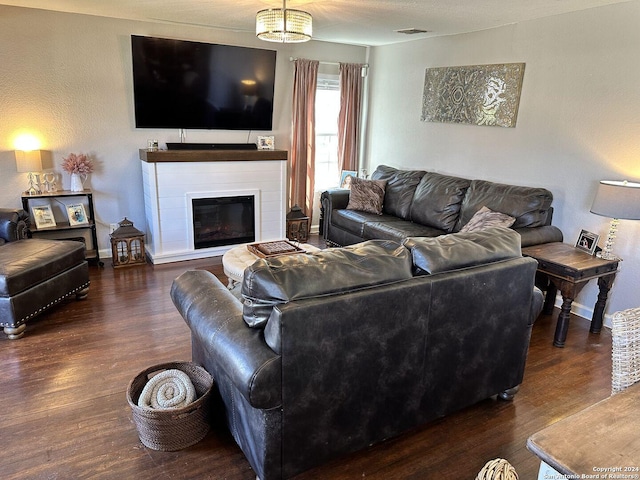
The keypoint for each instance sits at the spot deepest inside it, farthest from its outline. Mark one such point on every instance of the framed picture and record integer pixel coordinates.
(587, 241)
(77, 214)
(43, 216)
(266, 142)
(344, 180)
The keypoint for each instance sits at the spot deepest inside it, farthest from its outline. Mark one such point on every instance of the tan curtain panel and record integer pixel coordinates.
(303, 143)
(351, 84)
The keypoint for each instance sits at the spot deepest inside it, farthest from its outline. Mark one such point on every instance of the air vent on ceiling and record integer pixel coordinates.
(411, 31)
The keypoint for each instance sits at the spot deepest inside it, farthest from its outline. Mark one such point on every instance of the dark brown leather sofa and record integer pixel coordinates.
(35, 274)
(335, 351)
(419, 203)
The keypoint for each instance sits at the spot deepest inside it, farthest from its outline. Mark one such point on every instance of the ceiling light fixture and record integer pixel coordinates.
(283, 25)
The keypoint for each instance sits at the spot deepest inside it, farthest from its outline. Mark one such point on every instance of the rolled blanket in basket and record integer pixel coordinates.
(168, 389)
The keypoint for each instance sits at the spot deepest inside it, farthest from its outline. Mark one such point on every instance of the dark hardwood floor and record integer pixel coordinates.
(64, 413)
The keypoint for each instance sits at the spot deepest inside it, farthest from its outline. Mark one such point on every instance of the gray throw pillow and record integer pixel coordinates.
(366, 195)
(486, 218)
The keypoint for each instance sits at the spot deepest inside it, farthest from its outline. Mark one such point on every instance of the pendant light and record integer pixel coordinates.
(283, 25)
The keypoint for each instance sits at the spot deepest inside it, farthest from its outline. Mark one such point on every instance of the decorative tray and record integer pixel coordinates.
(273, 249)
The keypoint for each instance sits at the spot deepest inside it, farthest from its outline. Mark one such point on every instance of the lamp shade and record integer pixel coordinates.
(617, 199)
(28, 161)
(284, 25)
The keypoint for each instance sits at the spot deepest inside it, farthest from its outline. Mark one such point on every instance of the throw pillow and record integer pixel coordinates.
(366, 195)
(485, 218)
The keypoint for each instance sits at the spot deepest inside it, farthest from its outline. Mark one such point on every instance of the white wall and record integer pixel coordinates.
(67, 79)
(578, 122)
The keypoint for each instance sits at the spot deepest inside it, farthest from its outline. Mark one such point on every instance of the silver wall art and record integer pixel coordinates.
(475, 94)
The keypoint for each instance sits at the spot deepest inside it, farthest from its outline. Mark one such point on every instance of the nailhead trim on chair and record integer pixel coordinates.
(41, 309)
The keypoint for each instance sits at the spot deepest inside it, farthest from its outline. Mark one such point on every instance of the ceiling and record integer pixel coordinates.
(358, 22)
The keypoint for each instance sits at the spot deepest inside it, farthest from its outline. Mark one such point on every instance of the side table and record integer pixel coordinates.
(603, 435)
(569, 269)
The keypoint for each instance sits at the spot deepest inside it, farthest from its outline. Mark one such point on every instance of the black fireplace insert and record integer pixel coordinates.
(223, 221)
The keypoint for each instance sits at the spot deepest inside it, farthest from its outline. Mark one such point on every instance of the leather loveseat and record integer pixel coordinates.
(420, 203)
(35, 274)
(334, 351)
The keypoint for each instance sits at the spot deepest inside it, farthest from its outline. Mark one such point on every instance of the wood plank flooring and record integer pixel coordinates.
(64, 413)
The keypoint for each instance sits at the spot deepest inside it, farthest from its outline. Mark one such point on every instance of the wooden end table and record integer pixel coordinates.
(569, 269)
(598, 439)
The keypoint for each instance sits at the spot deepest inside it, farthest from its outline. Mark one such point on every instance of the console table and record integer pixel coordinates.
(569, 269)
(64, 229)
(602, 439)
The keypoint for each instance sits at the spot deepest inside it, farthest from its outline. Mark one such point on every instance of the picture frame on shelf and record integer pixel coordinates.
(344, 182)
(77, 214)
(587, 241)
(43, 216)
(266, 142)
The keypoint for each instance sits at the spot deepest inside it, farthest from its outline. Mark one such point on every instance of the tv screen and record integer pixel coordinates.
(183, 84)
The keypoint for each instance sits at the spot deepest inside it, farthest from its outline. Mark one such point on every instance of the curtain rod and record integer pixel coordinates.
(337, 64)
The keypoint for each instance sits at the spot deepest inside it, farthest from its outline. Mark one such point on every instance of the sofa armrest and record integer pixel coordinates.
(537, 235)
(214, 316)
(14, 225)
(336, 198)
(537, 302)
(333, 199)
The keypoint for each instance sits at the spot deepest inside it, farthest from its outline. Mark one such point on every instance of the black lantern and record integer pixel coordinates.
(127, 245)
(297, 225)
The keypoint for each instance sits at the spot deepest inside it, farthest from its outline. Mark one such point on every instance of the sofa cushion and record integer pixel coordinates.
(397, 230)
(273, 281)
(486, 218)
(437, 200)
(354, 220)
(401, 186)
(366, 195)
(25, 263)
(528, 205)
(460, 250)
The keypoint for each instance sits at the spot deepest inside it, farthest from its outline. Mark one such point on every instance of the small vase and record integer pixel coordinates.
(77, 182)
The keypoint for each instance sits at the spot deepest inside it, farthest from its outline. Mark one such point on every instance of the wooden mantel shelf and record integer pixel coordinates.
(210, 155)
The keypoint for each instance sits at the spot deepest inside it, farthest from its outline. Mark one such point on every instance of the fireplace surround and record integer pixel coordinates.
(173, 179)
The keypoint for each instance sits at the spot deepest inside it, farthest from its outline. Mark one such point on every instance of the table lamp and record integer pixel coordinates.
(30, 161)
(616, 200)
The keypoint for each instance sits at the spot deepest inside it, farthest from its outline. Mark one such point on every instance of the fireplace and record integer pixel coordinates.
(221, 221)
(172, 179)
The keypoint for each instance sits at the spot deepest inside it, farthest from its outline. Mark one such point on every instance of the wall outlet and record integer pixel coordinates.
(113, 227)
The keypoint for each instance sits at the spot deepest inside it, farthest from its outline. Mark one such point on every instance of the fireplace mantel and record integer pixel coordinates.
(171, 178)
(158, 156)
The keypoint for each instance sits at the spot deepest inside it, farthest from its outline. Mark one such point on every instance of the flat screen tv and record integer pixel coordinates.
(183, 84)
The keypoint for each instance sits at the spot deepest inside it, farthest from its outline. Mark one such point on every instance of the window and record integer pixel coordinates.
(327, 111)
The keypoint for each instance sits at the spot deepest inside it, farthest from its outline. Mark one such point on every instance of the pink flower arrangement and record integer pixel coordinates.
(77, 164)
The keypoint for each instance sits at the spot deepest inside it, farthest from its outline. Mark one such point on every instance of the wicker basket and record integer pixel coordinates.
(172, 429)
(498, 469)
(625, 356)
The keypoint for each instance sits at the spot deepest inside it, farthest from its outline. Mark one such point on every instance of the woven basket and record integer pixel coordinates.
(176, 428)
(498, 469)
(625, 355)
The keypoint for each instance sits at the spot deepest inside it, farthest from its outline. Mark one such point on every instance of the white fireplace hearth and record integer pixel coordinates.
(172, 178)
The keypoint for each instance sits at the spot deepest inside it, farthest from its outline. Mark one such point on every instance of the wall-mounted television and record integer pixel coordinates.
(194, 85)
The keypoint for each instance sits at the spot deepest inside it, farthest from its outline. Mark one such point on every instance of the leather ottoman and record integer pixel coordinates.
(36, 274)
